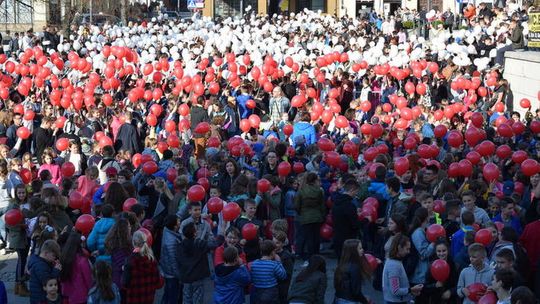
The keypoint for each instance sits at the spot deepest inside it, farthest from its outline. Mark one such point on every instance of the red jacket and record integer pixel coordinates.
(142, 280)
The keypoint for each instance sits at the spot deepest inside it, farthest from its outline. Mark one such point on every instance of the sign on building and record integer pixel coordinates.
(534, 30)
(194, 4)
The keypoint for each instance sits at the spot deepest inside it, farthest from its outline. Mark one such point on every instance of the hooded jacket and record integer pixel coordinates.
(169, 261)
(470, 275)
(230, 282)
(127, 139)
(96, 239)
(345, 220)
(306, 130)
(40, 270)
(309, 203)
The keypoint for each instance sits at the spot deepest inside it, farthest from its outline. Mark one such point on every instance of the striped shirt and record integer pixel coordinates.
(266, 273)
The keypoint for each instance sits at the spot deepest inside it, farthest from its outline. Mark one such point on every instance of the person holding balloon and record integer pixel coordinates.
(441, 278)
(479, 273)
(424, 247)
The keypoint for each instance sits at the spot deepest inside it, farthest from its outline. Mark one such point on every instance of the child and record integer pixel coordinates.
(506, 216)
(426, 201)
(169, 261)
(271, 198)
(50, 286)
(467, 219)
(251, 248)
(204, 232)
(469, 204)
(96, 239)
(493, 206)
(287, 260)
(43, 267)
(88, 184)
(194, 268)
(265, 274)
(232, 238)
(76, 273)
(290, 211)
(462, 258)
(451, 223)
(231, 278)
(502, 284)
(104, 290)
(478, 272)
(141, 277)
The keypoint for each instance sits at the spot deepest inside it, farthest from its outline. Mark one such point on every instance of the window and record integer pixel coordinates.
(16, 11)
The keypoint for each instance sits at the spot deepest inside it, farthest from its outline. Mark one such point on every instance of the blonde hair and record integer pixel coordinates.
(139, 241)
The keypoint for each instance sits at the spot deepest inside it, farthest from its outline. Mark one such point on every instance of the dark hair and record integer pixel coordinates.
(351, 185)
(315, 263)
(420, 216)
(116, 196)
(505, 202)
(467, 218)
(350, 256)
(522, 295)
(230, 255)
(509, 234)
(468, 193)
(433, 168)
(233, 230)
(138, 209)
(506, 254)
(393, 183)
(107, 210)
(171, 221)
(69, 253)
(469, 237)
(380, 173)
(189, 230)
(195, 204)
(108, 151)
(267, 247)
(506, 276)
(45, 175)
(311, 178)
(103, 278)
(442, 241)
(400, 240)
(119, 236)
(401, 222)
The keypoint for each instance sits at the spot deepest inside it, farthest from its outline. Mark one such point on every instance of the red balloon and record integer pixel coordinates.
(288, 130)
(465, 168)
(254, 120)
(284, 168)
(439, 206)
(477, 119)
(214, 205)
(75, 200)
(535, 126)
(401, 165)
(85, 224)
(62, 144)
(263, 185)
(341, 122)
(171, 174)
(455, 139)
(26, 176)
(519, 156)
(151, 120)
(504, 151)
(505, 130)
(326, 144)
(196, 193)
(372, 261)
(476, 291)
(231, 211)
(371, 153)
(483, 236)
(440, 131)
(67, 169)
(530, 167)
(491, 172)
(454, 170)
(525, 103)
(488, 298)
(410, 88)
(332, 158)
(421, 89)
(440, 270)
(150, 167)
(326, 231)
(128, 203)
(249, 231)
(23, 132)
(202, 128)
(13, 217)
(474, 157)
(298, 167)
(518, 127)
(245, 125)
(434, 232)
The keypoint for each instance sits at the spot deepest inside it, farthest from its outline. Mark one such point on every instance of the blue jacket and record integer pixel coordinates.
(241, 101)
(40, 270)
(96, 239)
(289, 203)
(457, 240)
(425, 250)
(514, 222)
(305, 129)
(230, 282)
(379, 190)
(169, 262)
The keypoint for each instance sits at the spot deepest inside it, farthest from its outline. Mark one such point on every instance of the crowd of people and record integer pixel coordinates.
(164, 154)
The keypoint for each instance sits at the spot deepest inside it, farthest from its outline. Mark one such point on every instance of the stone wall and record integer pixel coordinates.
(522, 69)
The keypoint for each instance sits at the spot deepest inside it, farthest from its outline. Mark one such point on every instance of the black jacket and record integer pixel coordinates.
(193, 257)
(198, 115)
(350, 286)
(128, 139)
(42, 140)
(345, 219)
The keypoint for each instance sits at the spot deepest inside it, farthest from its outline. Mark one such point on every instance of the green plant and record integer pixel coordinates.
(408, 24)
(435, 24)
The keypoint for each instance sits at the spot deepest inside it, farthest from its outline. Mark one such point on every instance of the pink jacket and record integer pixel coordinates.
(77, 287)
(55, 172)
